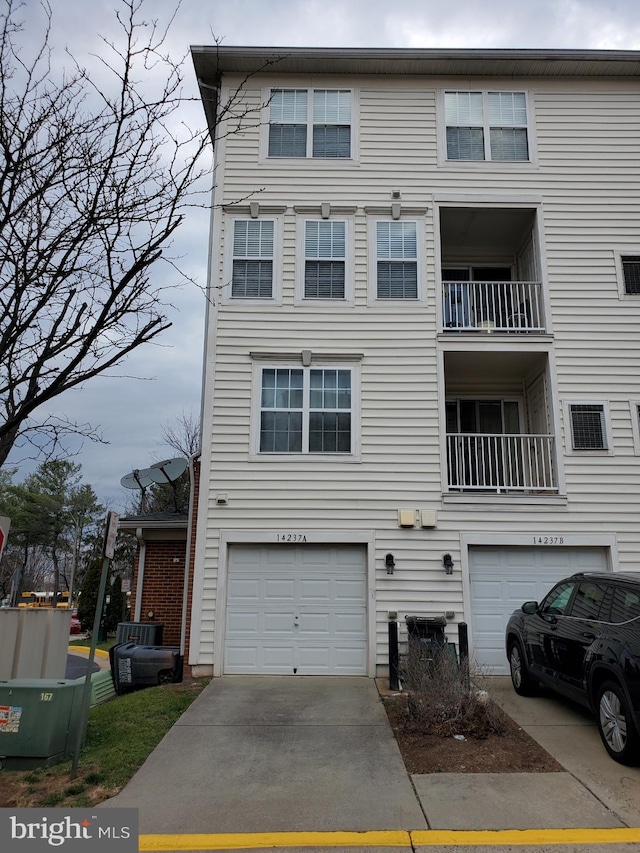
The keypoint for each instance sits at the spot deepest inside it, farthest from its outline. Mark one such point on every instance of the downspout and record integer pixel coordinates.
(187, 559)
(142, 550)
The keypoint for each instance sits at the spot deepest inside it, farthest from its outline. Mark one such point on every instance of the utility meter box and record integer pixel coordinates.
(134, 666)
(39, 721)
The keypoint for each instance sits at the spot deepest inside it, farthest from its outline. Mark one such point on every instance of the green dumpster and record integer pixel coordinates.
(39, 721)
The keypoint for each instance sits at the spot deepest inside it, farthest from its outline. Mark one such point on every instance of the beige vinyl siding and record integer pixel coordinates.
(586, 174)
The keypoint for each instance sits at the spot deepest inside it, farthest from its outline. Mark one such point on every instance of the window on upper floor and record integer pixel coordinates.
(306, 410)
(253, 257)
(631, 274)
(486, 126)
(310, 123)
(396, 260)
(325, 253)
(588, 426)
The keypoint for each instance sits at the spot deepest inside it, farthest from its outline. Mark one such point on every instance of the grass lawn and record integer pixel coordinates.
(120, 736)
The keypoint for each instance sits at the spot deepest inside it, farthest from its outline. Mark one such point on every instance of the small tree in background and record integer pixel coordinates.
(89, 594)
(116, 606)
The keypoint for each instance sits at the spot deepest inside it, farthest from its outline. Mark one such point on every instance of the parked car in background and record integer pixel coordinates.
(583, 641)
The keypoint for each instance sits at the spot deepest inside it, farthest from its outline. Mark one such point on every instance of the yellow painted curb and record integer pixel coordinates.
(99, 652)
(387, 838)
(502, 837)
(240, 840)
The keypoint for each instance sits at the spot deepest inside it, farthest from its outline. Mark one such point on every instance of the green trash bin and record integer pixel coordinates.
(39, 721)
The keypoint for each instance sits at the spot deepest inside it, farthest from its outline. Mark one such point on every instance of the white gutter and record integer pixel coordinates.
(187, 559)
(142, 550)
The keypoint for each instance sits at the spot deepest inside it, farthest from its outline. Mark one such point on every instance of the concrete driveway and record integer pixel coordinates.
(260, 754)
(569, 733)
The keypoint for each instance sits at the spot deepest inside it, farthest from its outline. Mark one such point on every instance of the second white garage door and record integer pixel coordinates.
(296, 610)
(501, 579)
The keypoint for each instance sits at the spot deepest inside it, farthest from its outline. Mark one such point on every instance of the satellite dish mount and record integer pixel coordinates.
(167, 471)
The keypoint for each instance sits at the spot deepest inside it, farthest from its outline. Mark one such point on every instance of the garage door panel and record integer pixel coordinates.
(521, 587)
(307, 612)
(276, 623)
(243, 658)
(488, 590)
(340, 659)
(350, 624)
(349, 590)
(243, 622)
(315, 623)
(318, 589)
(278, 589)
(244, 589)
(501, 579)
(277, 656)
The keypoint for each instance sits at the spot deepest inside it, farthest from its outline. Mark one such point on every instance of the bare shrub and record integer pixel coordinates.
(444, 700)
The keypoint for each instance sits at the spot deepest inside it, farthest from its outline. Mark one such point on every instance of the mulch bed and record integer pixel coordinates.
(513, 751)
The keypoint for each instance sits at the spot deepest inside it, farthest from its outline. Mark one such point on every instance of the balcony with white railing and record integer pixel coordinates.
(493, 306)
(501, 463)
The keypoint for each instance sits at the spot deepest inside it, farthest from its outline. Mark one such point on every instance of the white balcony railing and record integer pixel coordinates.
(492, 306)
(501, 463)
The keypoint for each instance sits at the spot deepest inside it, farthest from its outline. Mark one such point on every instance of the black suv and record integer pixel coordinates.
(583, 640)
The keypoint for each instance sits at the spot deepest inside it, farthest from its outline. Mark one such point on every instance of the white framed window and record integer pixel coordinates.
(628, 273)
(251, 268)
(396, 260)
(324, 261)
(486, 125)
(306, 410)
(310, 123)
(588, 427)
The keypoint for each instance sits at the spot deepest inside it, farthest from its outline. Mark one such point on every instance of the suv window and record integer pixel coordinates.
(588, 600)
(625, 605)
(556, 602)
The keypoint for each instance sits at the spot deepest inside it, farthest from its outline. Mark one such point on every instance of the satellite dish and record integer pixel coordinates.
(162, 473)
(137, 479)
(167, 471)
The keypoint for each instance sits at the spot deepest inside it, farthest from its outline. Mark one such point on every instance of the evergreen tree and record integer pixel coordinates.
(89, 594)
(116, 606)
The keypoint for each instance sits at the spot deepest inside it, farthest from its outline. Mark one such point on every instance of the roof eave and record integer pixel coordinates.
(212, 61)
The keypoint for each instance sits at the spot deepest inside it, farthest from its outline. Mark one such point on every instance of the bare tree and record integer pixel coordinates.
(183, 436)
(95, 177)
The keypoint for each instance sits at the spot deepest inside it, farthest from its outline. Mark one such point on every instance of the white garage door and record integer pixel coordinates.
(296, 610)
(501, 579)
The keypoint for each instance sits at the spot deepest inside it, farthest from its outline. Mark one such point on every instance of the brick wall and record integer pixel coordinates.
(164, 582)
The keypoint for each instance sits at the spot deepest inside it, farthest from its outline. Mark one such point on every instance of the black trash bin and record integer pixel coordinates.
(133, 666)
(427, 628)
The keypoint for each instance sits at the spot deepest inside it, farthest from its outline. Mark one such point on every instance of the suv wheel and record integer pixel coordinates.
(619, 736)
(522, 682)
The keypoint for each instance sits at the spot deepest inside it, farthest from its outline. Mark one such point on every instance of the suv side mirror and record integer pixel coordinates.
(530, 607)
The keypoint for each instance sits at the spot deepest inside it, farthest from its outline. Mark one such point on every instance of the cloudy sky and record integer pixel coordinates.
(159, 383)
